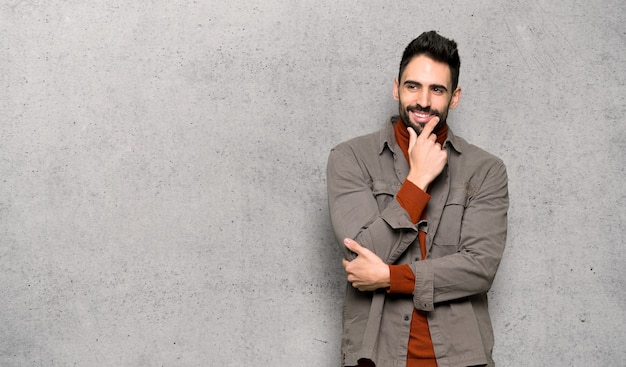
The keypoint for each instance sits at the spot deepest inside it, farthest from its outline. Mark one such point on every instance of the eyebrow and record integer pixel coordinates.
(412, 82)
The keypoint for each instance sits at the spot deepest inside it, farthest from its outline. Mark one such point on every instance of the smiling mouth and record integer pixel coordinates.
(421, 116)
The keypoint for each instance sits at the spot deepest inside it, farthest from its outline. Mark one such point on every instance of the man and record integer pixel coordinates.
(422, 216)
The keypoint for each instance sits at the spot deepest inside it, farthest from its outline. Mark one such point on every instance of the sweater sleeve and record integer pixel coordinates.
(413, 200)
(402, 279)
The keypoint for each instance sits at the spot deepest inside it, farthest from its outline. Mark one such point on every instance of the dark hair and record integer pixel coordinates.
(437, 48)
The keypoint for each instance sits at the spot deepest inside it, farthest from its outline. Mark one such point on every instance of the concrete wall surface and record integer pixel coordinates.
(162, 173)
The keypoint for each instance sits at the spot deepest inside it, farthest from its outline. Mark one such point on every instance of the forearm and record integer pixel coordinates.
(369, 214)
(388, 235)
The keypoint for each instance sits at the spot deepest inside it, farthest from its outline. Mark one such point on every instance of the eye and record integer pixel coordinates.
(438, 90)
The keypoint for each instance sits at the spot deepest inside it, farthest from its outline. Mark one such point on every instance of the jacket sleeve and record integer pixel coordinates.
(471, 269)
(355, 213)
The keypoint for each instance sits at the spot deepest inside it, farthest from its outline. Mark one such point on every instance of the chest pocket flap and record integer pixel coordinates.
(384, 192)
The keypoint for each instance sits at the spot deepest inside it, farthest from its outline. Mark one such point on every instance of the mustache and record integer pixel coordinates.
(419, 108)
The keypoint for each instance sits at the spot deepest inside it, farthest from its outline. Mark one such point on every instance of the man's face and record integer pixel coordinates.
(424, 92)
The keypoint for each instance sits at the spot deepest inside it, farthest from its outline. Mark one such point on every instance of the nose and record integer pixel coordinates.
(423, 98)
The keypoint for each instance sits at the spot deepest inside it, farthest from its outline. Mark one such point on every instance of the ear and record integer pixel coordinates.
(396, 94)
(456, 98)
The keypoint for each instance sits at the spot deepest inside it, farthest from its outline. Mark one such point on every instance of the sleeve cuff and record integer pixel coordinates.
(401, 279)
(413, 200)
(423, 294)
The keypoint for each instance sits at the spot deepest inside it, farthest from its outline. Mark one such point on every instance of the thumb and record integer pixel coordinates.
(352, 246)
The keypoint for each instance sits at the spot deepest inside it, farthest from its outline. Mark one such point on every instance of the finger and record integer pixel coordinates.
(412, 137)
(430, 126)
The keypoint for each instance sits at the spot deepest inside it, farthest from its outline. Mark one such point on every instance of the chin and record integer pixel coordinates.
(418, 127)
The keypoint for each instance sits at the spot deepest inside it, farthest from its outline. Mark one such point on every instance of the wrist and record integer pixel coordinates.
(385, 277)
(419, 181)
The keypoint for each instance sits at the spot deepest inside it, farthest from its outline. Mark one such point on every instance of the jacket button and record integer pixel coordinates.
(406, 318)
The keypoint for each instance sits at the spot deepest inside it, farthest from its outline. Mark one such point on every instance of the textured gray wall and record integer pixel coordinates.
(162, 173)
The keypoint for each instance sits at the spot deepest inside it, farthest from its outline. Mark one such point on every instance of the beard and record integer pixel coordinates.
(404, 115)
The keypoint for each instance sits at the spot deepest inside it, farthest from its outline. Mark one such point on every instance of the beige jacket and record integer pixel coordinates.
(466, 234)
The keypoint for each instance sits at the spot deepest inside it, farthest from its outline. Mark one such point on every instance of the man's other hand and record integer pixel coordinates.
(367, 272)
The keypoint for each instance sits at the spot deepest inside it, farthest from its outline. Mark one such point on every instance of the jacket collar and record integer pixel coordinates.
(387, 138)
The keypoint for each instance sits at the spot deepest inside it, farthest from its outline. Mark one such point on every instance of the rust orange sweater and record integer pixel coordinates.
(414, 200)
